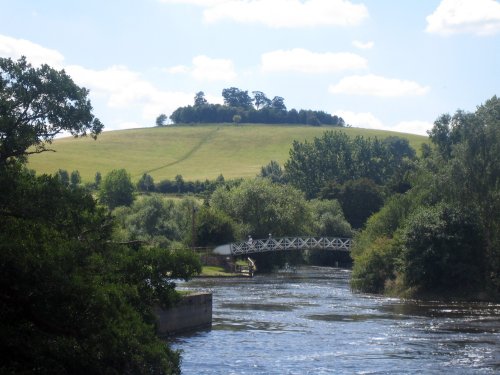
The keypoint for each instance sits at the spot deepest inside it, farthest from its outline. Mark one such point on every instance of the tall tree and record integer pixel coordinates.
(117, 189)
(161, 120)
(63, 176)
(234, 97)
(75, 178)
(199, 99)
(278, 104)
(260, 100)
(37, 104)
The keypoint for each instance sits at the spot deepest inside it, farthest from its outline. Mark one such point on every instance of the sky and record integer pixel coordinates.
(382, 64)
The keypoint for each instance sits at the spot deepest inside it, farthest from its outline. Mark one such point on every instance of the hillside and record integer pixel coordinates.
(195, 152)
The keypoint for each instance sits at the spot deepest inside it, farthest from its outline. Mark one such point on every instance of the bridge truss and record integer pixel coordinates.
(290, 243)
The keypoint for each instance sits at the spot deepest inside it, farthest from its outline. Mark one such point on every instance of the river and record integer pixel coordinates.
(310, 322)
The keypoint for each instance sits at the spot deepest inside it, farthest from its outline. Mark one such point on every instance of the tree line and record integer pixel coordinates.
(239, 106)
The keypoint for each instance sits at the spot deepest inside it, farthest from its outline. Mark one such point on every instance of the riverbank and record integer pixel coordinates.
(217, 271)
(193, 312)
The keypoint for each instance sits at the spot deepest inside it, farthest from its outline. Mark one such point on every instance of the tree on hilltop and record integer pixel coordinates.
(234, 97)
(260, 100)
(161, 120)
(199, 99)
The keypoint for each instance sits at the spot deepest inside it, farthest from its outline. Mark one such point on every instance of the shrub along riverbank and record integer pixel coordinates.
(442, 237)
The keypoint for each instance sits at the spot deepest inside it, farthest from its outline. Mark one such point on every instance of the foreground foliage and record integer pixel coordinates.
(72, 300)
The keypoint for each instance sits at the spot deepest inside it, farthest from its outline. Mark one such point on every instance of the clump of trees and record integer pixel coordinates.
(239, 106)
(337, 158)
(74, 300)
(261, 208)
(116, 189)
(441, 236)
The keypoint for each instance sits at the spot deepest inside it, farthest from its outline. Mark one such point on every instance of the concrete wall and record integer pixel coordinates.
(193, 312)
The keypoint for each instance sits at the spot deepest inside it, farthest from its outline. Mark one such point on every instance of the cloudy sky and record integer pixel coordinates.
(386, 64)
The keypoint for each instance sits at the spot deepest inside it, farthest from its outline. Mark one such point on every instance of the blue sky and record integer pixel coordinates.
(380, 64)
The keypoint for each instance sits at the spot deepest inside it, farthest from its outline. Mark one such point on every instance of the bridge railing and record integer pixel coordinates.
(290, 243)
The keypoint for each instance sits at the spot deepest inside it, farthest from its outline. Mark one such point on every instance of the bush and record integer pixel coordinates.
(117, 189)
(443, 250)
(376, 266)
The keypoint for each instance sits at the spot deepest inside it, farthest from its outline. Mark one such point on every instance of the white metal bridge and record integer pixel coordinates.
(287, 243)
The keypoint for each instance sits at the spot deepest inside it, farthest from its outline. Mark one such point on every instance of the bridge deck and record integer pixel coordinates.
(290, 243)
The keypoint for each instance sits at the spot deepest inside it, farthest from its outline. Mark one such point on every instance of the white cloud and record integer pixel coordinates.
(367, 120)
(480, 17)
(361, 45)
(282, 13)
(415, 127)
(203, 3)
(123, 89)
(373, 85)
(117, 86)
(305, 61)
(360, 119)
(207, 69)
(178, 69)
(35, 54)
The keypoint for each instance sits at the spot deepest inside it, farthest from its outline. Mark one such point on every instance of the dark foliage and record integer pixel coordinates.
(239, 103)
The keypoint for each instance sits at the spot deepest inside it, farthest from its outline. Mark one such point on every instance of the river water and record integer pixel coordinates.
(310, 322)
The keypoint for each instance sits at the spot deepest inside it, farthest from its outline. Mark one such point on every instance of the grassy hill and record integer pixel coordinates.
(195, 152)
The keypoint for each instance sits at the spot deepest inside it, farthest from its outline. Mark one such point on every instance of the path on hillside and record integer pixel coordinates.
(188, 154)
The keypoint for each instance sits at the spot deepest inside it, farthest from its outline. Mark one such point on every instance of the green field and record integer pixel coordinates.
(195, 152)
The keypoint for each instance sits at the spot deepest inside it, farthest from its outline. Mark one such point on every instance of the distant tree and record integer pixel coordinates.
(213, 227)
(117, 189)
(63, 176)
(399, 147)
(37, 104)
(199, 99)
(335, 157)
(158, 221)
(179, 183)
(97, 179)
(75, 178)
(234, 97)
(161, 120)
(146, 183)
(260, 100)
(263, 207)
(328, 219)
(278, 104)
(359, 200)
(273, 171)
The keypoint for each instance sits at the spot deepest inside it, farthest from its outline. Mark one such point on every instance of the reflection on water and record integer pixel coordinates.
(309, 322)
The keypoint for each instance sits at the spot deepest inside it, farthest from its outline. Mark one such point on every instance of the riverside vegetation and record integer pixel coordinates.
(80, 276)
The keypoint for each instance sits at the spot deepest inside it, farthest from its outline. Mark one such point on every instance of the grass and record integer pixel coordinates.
(215, 271)
(195, 152)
